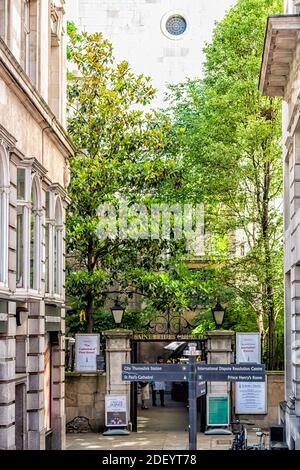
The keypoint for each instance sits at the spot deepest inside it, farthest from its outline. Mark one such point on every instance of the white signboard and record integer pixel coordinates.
(248, 348)
(87, 348)
(116, 411)
(250, 397)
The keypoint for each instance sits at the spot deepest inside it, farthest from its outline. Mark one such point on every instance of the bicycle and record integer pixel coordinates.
(239, 430)
(262, 440)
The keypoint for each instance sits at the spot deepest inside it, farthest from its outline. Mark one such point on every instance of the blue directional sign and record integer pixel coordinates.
(155, 377)
(156, 368)
(258, 369)
(229, 377)
(196, 374)
(231, 372)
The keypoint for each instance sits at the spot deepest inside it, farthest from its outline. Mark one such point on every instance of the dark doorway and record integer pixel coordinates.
(176, 395)
(20, 417)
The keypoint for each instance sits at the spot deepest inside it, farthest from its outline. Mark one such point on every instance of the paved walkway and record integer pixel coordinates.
(158, 429)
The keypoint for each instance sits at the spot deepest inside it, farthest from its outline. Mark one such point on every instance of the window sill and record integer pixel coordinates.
(25, 295)
(57, 299)
(4, 291)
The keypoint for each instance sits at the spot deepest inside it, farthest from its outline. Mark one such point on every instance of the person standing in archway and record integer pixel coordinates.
(159, 386)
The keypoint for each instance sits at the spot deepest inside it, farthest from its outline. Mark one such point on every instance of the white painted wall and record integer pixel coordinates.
(291, 6)
(134, 28)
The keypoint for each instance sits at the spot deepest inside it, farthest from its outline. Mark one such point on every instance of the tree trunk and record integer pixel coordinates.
(268, 301)
(89, 296)
(90, 313)
(260, 324)
(272, 343)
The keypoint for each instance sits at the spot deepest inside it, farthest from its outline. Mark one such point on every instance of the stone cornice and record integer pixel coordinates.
(16, 156)
(58, 189)
(7, 137)
(280, 44)
(15, 77)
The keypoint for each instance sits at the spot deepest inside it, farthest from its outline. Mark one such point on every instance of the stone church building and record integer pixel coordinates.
(160, 38)
(34, 153)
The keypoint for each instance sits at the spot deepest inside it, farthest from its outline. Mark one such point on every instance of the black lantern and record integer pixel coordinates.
(117, 311)
(218, 314)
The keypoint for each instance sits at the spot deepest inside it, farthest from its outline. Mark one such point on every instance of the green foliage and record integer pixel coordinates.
(125, 152)
(103, 320)
(231, 142)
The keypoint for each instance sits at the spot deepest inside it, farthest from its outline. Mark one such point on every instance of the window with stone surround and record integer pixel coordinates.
(47, 243)
(29, 218)
(58, 247)
(53, 245)
(4, 201)
(56, 60)
(25, 35)
(34, 258)
(174, 25)
(29, 39)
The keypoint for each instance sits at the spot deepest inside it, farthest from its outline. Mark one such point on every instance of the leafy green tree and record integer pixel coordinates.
(125, 153)
(232, 160)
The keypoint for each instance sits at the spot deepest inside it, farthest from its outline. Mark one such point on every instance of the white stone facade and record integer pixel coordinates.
(137, 30)
(280, 76)
(34, 153)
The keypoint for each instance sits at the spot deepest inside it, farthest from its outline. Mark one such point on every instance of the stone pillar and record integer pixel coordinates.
(295, 333)
(219, 350)
(118, 351)
(58, 417)
(35, 392)
(7, 377)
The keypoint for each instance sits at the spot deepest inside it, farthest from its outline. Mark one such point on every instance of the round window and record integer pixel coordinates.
(176, 25)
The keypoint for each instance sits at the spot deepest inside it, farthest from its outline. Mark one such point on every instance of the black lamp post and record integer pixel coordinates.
(218, 314)
(117, 311)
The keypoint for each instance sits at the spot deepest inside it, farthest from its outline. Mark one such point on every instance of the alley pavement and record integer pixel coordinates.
(160, 428)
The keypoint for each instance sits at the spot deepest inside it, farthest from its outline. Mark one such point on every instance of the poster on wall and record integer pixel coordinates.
(248, 348)
(250, 397)
(47, 389)
(87, 347)
(115, 411)
(217, 410)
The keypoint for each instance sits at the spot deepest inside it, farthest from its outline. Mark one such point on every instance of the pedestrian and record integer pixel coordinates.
(159, 386)
(145, 394)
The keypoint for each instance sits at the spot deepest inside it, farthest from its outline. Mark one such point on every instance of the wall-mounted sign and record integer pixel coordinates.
(251, 398)
(100, 361)
(116, 411)
(217, 410)
(248, 348)
(87, 348)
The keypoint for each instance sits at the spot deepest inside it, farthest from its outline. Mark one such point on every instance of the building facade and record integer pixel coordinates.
(34, 153)
(280, 76)
(159, 38)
